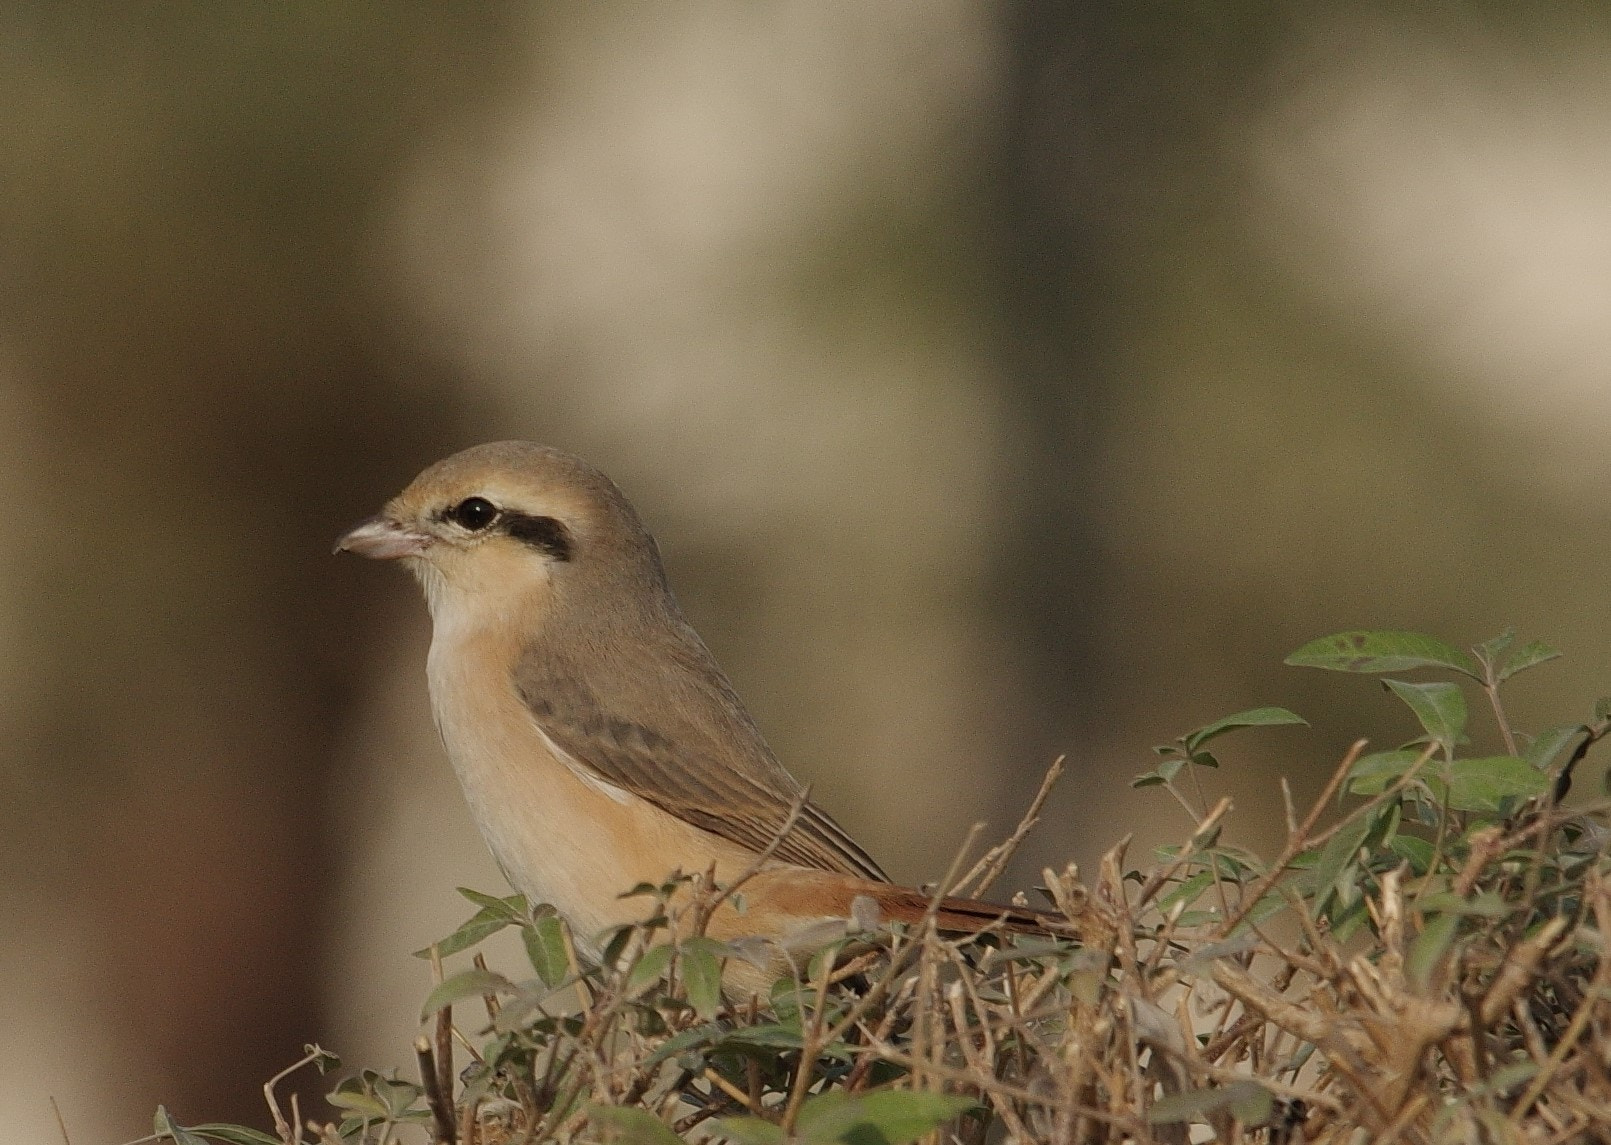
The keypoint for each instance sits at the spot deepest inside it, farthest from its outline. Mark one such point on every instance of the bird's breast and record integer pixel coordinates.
(559, 839)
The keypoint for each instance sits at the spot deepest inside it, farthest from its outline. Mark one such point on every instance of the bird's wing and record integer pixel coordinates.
(674, 733)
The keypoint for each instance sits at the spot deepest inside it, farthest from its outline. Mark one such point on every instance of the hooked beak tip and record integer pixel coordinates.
(381, 539)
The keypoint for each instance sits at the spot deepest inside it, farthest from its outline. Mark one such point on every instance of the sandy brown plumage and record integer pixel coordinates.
(598, 742)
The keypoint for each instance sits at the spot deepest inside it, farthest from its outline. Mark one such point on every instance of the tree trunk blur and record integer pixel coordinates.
(203, 394)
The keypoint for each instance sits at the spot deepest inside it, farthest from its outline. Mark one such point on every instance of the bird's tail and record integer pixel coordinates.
(966, 916)
(800, 894)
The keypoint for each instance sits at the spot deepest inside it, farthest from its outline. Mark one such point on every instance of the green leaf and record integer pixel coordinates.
(399, 1097)
(615, 945)
(1272, 904)
(1252, 718)
(749, 1131)
(1247, 1101)
(1233, 862)
(1508, 1077)
(788, 998)
(1187, 891)
(1483, 784)
(774, 1036)
(1487, 905)
(1165, 772)
(465, 984)
(1548, 744)
(1440, 706)
(649, 968)
(165, 1126)
(1364, 651)
(373, 1096)
(1250, 1103)
(703, 1035)
(820, 1117)
(236, 1134)
(632, 1126)
(822, 962)
(513, 908)
(1429, 947)
(365, 1105)
(1023, 949)
(1347, 919)
(1375, 773)
(1198, 961)
(1388, 820)
(1085, 975)
(883, 1117)
(320, 1058)
(1527, 657)
(484, 923)
(1415, 851)
(545, 948)
(1337, 855)
(702, 976)
(783, 1035)
(1492, 650)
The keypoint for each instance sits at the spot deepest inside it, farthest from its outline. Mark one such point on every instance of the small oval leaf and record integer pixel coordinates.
(887, 1116)
(235, 1134)
(749, 1131)
(1252, 718)
(702, 977)
(166, 1126)
(1375, 773)
(484, 923)
(631, 1126)
(1247, 1101)
(1527, 657)
(1336, 856)
(1439, 706)
(1367, 651)
(1429, 947)
(1417, 852)
(365, 1105)
(1485, 905)
(1483, 784)
(545, 948)
(648, 968)
(465, 984)
(1549, 743)
(512, 908)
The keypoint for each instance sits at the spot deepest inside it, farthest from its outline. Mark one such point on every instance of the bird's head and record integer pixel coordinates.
(489, 529)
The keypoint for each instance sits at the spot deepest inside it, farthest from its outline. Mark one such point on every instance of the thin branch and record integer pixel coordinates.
(708, 903)
(61, 1124)
(989, 867)
(440, 1104)
(1296, 843)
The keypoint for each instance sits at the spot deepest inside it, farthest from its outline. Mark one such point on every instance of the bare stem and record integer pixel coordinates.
(440, 1104)
(990, 865)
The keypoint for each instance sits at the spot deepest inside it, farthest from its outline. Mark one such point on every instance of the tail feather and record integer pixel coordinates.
(798, 910)
(967, 916)
(793, 892)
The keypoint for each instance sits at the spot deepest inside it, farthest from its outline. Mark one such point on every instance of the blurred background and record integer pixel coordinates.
(1001, 380)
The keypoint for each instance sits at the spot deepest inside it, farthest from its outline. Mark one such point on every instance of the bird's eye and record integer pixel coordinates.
(473, 513)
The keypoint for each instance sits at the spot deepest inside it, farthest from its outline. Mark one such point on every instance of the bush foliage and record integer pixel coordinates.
(1423, 960)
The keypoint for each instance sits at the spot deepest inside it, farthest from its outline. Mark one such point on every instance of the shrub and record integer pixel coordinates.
(1423, 960)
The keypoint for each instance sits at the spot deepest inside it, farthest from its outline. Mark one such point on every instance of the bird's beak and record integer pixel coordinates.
(382, 539)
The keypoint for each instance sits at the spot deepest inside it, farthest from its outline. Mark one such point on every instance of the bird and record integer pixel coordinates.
(598, 743)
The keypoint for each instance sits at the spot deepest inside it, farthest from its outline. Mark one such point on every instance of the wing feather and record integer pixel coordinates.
(674, 733)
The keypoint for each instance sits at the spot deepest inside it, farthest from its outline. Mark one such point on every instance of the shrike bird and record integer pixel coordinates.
(598, 743)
